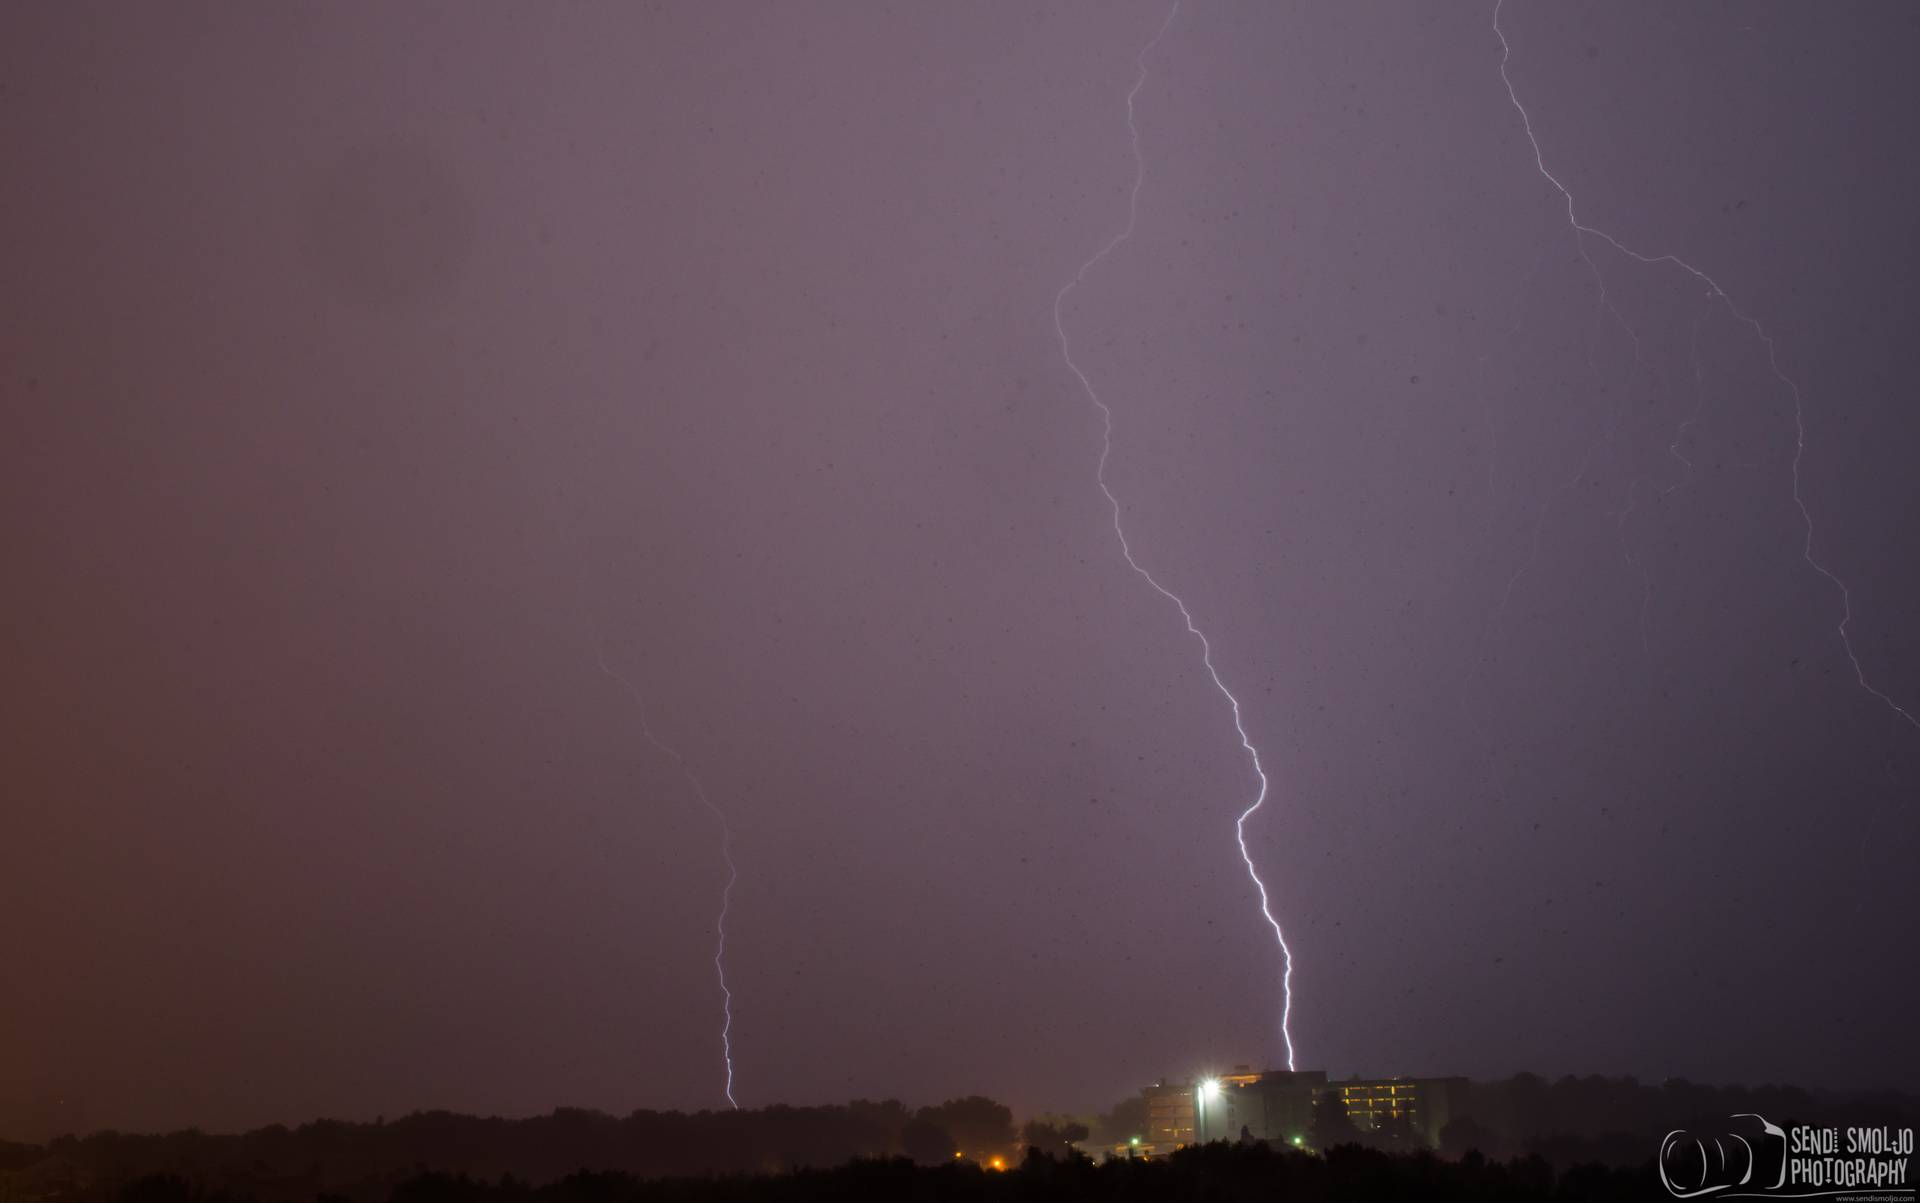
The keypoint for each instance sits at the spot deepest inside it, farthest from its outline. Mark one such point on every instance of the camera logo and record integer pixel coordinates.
(1752, 1158)
(1752, 1155)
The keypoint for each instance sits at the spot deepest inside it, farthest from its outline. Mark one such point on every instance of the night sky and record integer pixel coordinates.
(371, 374)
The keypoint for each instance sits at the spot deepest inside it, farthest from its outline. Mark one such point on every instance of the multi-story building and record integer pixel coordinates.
(1170, 1114)
(1280, 1107)
(1417, 1107)
(1275, 1107)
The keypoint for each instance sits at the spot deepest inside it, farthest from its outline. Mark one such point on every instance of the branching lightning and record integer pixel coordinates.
(726, 853)
(1581, 233)
(1126, 549)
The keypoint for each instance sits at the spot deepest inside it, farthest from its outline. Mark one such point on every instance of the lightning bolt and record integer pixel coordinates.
(726, 853)
(1126, 549)
(1581, 232)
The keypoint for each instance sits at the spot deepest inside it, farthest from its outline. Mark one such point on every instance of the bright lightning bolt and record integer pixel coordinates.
(1106, 452)
(726, 853)
(1580, 232)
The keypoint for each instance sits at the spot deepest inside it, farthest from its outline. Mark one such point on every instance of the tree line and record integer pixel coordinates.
(1614, 1122)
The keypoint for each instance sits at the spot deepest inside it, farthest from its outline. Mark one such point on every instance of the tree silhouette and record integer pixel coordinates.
(1051, 1134)
(1464, 1134)
(977, 1125)
(1332, 1125)
(1126, 1120)
(925, 1141)
(1395, 1132)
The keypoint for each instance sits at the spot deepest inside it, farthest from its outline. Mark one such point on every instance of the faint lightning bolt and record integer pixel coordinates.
(1580, 232)
(1693, 417)
(726, 853)
(1106, 452)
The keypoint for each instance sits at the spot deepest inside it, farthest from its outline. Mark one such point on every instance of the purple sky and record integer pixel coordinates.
(369, 370)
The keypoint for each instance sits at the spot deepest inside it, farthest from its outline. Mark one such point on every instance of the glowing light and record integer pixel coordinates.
(1580, 233)
(726, 854)
(1100, 476)
(1210, 1088)
(1135, 1141)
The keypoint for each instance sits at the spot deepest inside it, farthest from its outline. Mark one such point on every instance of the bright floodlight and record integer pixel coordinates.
(1210, 1087)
